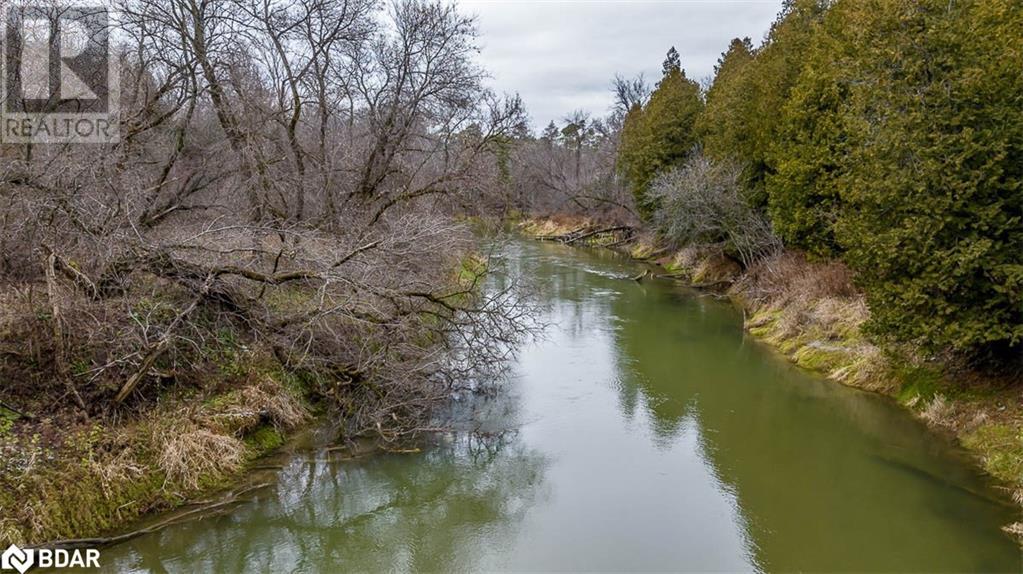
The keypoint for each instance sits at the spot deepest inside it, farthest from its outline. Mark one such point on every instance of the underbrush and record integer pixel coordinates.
(100, 476)
(205, 409)
(142, 384)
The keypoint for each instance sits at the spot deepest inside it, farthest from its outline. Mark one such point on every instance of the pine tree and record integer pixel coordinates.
(550, 134)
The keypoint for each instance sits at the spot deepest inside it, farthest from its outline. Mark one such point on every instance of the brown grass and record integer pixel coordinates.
(98, 478)
(791, 278)
(189, 453)
(242, 410)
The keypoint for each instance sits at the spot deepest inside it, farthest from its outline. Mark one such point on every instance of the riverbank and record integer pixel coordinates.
(88, 448)
(66, 478)
(812, 313)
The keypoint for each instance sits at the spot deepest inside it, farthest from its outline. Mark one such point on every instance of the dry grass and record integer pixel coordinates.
(789, 278)
(702, 265)
(189, 453)
(939, 412)
(554, 226)
(814, 314)
(249, 407)
(100, 478)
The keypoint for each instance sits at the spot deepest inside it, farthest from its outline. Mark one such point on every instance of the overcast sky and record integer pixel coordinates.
(562, 55)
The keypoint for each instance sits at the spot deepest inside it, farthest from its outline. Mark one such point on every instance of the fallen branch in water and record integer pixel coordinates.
(176, 519)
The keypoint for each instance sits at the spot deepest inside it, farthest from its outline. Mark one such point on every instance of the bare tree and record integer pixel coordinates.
(286, 172)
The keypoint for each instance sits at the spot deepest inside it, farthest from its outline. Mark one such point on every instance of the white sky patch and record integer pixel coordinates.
(561, 55)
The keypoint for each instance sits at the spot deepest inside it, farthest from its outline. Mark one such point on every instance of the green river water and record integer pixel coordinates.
(644, 431)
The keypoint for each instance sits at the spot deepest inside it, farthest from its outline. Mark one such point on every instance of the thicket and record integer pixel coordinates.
(286, 178)
(885, 133)
(701, 203)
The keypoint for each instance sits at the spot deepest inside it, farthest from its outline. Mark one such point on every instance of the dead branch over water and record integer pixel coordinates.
(284, 179)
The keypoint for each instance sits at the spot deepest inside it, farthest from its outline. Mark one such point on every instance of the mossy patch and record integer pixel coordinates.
(918, 383)
(265, 439)
(820, 358)
(1001, 447)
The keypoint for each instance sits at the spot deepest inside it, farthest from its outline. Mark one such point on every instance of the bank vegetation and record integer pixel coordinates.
(853, 181)
(273, 237)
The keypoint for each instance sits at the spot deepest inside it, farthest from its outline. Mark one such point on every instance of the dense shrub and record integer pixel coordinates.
(701, 203)
(809, 152)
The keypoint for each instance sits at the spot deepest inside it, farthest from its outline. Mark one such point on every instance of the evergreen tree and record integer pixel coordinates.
(933, 216)
(550, 134)
(810, 149)
(661, 134)
(772, 74)
(725, 124)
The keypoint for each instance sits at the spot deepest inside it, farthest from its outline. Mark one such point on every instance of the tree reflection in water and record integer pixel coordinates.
(430, 511)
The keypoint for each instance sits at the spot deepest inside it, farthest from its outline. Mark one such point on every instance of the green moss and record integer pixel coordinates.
(820, 359)
(264, 439)
(918, 383)
(289, 298)
(7, 419)
(1001, 449)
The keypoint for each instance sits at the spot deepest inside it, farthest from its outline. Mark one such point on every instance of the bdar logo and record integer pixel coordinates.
(21, 559)
(15, 558)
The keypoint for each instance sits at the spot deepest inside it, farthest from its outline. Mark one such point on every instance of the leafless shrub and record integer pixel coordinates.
(287, 174)
(701, 203)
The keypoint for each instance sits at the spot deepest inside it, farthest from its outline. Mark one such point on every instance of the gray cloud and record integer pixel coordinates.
(561, 55)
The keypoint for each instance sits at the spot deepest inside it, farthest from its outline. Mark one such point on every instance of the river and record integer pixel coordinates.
(643, 431)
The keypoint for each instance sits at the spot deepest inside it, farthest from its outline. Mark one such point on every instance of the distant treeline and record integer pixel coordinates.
(886, 133)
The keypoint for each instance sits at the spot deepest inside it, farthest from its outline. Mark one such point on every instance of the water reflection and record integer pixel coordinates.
(384, 513)
(643, 432)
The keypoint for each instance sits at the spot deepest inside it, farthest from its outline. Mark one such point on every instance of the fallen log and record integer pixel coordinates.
(598, 232)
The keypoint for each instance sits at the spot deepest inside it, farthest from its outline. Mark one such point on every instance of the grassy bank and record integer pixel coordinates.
(813, 314)
(71, 479)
